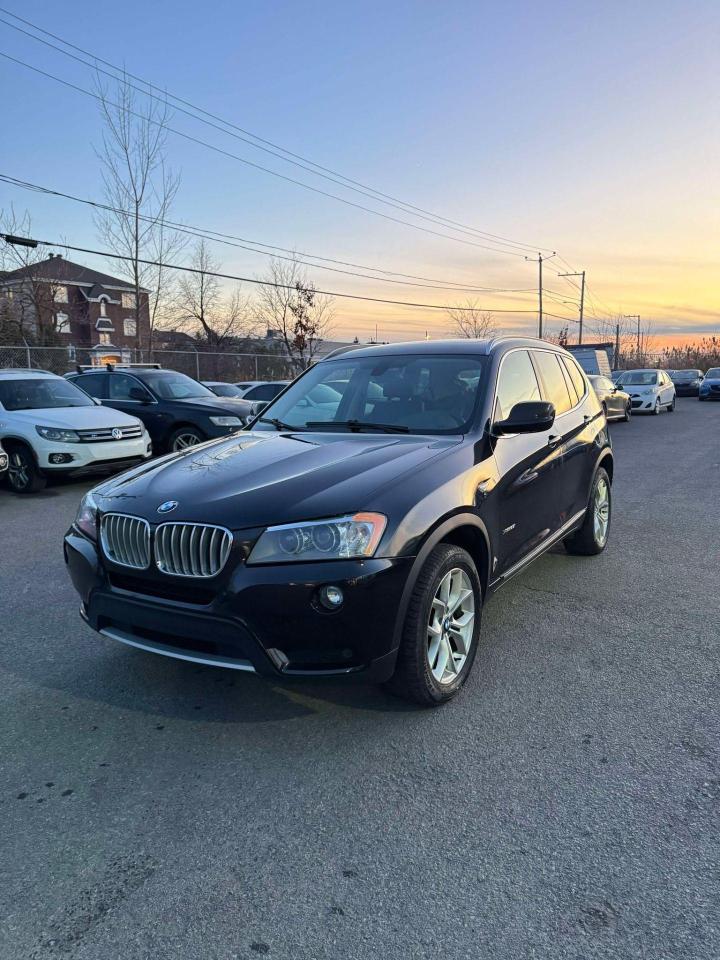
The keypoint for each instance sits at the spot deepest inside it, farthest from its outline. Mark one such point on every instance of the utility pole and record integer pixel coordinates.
(581, 274)
(540, 261)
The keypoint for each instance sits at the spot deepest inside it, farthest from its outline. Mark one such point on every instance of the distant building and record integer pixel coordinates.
(74, 306)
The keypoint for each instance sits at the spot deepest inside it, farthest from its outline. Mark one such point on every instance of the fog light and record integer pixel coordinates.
(331, 597)
(60, 457)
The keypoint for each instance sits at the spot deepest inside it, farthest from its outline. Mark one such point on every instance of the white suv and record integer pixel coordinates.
(650, 389)
(49, 426)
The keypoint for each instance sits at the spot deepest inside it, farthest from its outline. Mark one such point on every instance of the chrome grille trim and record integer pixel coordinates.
(103, 434)
(191, 549)
(126, 540)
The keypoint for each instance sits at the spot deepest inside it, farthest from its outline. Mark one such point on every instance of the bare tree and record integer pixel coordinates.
(202, 307)
(291, 305)
(469, 321)
(140, 188)
(28, 309)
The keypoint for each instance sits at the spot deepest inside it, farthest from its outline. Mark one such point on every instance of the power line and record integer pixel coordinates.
(32, 242)
(258, 166)
(243, 244)
(290, 157)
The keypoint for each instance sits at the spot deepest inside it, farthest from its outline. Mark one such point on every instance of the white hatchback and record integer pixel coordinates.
(650, 390)
(49, 426)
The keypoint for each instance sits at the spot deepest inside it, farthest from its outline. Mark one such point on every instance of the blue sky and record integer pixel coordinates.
(587, 128)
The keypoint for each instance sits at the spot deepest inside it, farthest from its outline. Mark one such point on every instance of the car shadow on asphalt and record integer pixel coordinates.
(147, 683)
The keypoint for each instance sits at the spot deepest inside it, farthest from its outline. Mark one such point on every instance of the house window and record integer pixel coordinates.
(60, 294)
(104, 339)
(62, 323)
(130, 327)
(128, 301)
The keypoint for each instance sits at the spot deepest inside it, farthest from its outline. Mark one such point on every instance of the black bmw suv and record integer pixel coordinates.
(354, 530)
(177, 411)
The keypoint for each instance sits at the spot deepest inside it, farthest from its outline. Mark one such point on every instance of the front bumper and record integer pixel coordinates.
(264, 619)
(86, 456)
(643, 404)
(710, 393)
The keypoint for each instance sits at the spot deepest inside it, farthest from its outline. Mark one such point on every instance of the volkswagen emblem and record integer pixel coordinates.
(117, 433)
(167, 506)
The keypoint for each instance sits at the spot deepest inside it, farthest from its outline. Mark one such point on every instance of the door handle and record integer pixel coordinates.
(553, 440)
(527, 477)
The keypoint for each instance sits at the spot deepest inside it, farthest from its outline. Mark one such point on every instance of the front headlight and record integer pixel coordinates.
(86, 518)
(58, 435)
(352, 537)
(226, 421)
(648, 393)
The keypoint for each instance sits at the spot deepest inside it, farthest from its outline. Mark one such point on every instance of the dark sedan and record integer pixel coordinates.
(615, 402)
(177, 411)
(687, 382)
(362, 541)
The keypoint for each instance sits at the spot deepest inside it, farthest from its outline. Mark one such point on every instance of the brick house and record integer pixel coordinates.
(75, 306)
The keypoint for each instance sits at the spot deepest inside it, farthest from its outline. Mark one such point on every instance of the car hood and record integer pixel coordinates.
(220, 406)
(257, 479)
(71, 418)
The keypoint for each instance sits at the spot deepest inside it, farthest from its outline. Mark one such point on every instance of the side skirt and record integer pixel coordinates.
(538, 551)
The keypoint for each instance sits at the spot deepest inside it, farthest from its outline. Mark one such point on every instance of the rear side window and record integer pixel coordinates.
(93, 383)
(517, 383)
(554, 387)
(267, 391)
(578, 380)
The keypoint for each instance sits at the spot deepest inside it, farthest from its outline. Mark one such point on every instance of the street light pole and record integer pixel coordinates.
(635, 316)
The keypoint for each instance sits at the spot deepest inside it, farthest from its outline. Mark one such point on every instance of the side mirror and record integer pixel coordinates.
(534, 416)
(258, 407)
(137, 393)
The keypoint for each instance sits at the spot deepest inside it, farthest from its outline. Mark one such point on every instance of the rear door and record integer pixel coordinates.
(95, 384)
(568, 437)
(527, 468)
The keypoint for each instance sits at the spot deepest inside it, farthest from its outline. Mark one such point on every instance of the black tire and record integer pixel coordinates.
(657, 408)
(23, 475)
(584, 542)
(671, 408)
(192, 436)
(701, 398)
(628, 412)
(413, 678)
(604, 406)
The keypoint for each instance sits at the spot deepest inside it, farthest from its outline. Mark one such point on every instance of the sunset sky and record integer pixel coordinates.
(590, 129)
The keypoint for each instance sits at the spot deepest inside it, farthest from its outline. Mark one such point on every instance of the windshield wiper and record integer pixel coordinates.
(357, 426)
(279, 424)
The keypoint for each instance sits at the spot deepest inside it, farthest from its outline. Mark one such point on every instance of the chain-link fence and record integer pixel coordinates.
(224, 366)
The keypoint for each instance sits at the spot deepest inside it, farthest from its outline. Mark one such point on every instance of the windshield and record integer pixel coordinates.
(684, 374)
(175, 386)
(713, 373)
(412, 393)
(41, 393)
(646, 378)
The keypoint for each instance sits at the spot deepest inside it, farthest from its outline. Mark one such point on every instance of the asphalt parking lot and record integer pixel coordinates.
(566, 805)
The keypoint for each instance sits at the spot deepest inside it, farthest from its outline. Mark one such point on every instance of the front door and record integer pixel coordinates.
(528, 466)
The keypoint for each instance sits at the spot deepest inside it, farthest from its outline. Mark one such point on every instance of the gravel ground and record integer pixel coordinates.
(564, 806)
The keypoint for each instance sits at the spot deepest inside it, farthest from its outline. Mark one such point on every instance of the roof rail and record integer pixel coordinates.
(84, 367)
(346, 349)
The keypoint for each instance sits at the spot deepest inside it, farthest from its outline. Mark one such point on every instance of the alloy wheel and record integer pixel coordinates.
(450, 626)
(184, 440)
(18, 471)
(601, 511)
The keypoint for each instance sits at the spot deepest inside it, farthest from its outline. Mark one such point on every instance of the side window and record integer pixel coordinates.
(120, 386)
(92, 383)
(577, 378)
(517, 383)
(554, 387)
(268, 391)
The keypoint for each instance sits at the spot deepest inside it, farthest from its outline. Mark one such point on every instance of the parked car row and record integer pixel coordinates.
(100, 420)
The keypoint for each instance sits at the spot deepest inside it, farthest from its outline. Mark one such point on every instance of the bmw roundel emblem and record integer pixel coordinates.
(117, 433)
(167, 506)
